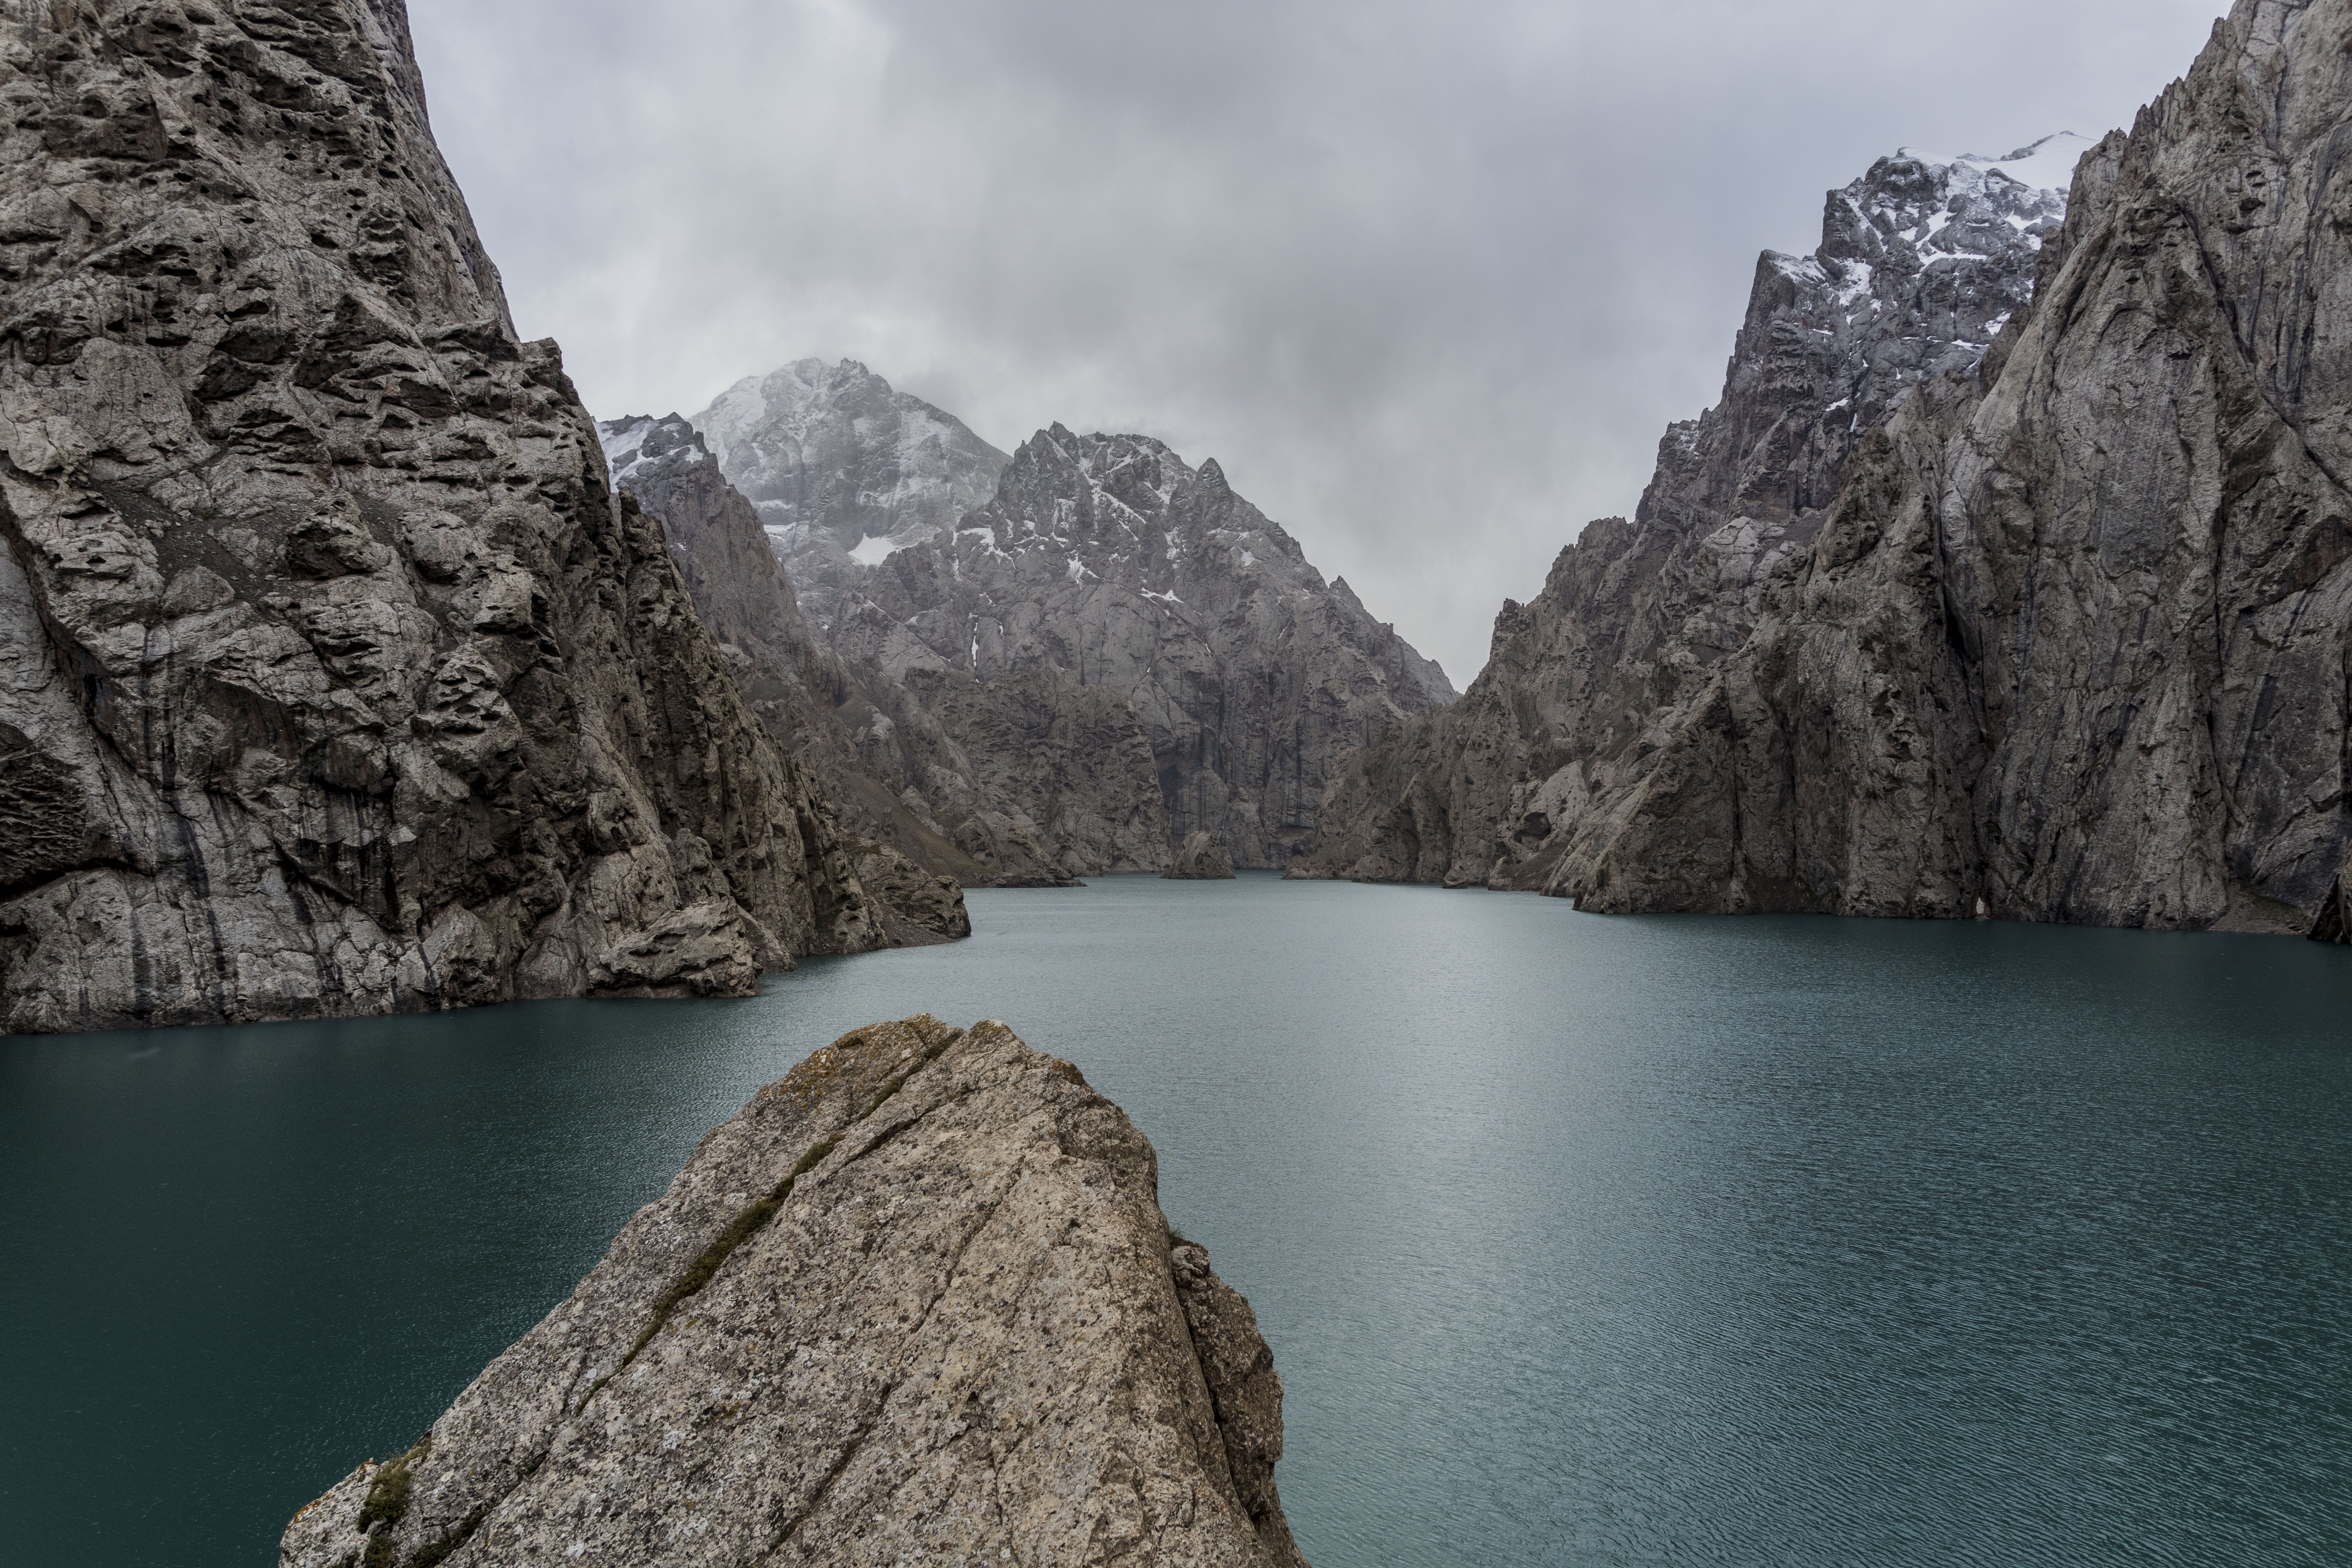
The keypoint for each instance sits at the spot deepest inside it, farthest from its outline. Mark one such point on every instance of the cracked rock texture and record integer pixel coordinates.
(333, 677)
(916, 1302)
(1105, 652)
(2068, 640)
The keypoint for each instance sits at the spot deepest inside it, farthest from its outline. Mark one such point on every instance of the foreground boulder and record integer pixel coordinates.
(916, 1302)
(1202, 859)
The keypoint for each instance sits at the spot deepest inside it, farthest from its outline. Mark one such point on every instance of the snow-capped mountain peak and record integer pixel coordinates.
(845, 470)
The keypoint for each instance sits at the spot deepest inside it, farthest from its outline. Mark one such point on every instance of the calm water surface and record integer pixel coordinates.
(1578, 1240)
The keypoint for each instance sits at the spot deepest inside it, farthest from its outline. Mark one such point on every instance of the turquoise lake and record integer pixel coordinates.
(1578, 1240)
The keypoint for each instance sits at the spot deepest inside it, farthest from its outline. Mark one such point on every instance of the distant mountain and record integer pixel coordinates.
(843, 469)
(864, 734)
(1108, 648)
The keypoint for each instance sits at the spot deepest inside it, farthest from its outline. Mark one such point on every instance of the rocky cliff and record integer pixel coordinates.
(2069, 643)
(884, 753)
(1117, 650)
(797, 688)
(337, 679)
(1202, 859)
(916, 1302)
(1922, 262)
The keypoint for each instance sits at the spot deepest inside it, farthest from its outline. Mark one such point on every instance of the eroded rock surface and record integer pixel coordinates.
(1202, 859)
(916, 1302)
(2070, 642)
(333, 679)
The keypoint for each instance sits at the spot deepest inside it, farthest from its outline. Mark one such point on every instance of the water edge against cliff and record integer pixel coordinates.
(1606, 1241)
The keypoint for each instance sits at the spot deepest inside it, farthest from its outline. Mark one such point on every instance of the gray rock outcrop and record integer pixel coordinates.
(916, 1302)
(2071, 642)
(1112, 653)
(1202, 859)
(336, 677)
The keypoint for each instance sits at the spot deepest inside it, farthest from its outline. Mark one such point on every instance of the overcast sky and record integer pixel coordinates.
(1429, 279)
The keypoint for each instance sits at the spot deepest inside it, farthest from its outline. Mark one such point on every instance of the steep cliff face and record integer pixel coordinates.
(1922, 262)
(2070, 646)
(336, 678)
(916, 1302)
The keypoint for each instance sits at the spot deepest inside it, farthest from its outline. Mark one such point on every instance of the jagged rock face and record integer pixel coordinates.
(883, 754)
(1921, 264)
(1202, 859)
(2073, 644)
(790, 681)
(336, 679)
(916, 1302)
(1106, 565)
(842, 470)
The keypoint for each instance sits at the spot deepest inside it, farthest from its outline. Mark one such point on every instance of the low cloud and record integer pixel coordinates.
(1429, 279)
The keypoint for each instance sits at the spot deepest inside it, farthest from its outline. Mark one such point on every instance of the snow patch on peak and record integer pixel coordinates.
(875, 549)
(2047, 164)
(625, 442)
(2044, 165)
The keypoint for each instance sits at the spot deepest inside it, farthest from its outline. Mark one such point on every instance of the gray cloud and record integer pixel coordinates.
(1428, 278)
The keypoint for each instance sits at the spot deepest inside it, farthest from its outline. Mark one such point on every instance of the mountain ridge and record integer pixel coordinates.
(2067, 642)
(1084, 664)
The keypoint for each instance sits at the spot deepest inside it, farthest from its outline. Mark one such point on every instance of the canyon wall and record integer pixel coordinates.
(2065, 642)
(337, 679)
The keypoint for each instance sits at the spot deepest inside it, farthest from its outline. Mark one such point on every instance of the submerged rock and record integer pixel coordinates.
(1202, 859)
(915, 1302)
